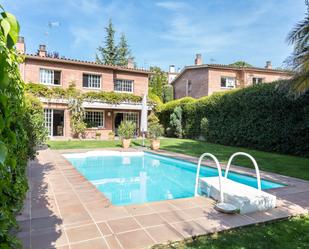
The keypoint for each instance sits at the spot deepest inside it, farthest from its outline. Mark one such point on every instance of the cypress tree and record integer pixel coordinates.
(108, 53)
(124, 52)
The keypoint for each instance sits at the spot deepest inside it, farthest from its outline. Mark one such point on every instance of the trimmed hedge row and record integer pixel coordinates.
(261, 117)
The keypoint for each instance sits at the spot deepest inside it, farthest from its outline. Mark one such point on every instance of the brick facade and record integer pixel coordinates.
(206, 79)
(71, 71)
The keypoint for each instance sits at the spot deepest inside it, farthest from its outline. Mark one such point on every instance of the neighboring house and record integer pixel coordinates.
(104, 118)
(205, 79)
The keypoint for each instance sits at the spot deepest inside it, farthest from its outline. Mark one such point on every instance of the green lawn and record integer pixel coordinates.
(287, 234)
(282, 164)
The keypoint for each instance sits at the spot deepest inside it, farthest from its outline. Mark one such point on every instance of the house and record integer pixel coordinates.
(101, 117)
(205, 79)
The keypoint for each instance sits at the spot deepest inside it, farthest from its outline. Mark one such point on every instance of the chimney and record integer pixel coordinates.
(42, 50)
(20, 45)
(268, 65)
(130, 63)
(172, 69)
(198, 59)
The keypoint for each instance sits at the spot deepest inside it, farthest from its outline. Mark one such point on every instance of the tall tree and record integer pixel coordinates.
(299, 60)
(157, 81)
(108, 53)
(123, 53)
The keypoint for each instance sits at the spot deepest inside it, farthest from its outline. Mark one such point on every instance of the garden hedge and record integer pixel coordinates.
(263, 117)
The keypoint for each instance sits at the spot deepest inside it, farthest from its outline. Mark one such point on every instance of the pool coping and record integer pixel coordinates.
(72, 213)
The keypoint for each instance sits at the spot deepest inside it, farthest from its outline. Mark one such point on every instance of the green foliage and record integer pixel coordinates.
(204, 126)
(167, 109)
(77, 111)
(261, 117)
(40, 90)
(15, 132)
(152, 118)
(123, 53)
(126, 129)
(35, 125)
(240, 64)
(157, 81)
(167, 93)
(155, 130)
(299, 59)
(108, 54)
(175, 127)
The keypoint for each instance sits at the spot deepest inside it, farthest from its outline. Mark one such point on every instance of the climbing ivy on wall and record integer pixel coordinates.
(16, 140)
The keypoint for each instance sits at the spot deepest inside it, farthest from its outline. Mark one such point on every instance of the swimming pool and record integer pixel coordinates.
(137, 177)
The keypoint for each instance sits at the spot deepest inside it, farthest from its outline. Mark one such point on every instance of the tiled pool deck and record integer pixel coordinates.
(63, 210)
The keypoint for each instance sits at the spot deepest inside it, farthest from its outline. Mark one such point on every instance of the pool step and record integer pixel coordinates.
(247, 199)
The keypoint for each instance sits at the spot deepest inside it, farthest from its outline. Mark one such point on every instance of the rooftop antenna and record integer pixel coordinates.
(212, 60)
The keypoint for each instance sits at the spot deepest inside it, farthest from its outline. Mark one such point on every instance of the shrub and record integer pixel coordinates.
(77, 111)
(175, 128)
(37, 133)
(261, 117)
(167, 93)
(155, 130)
(152, 118)
(126, 129)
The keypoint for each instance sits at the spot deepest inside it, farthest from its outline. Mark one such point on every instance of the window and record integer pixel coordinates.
(189, 86)
(94, 119)
(49, 76)
(257, 80)
(123, 85)
(228, 82)
(91, 81)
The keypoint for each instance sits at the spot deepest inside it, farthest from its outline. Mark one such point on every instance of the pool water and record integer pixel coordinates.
(133, 178)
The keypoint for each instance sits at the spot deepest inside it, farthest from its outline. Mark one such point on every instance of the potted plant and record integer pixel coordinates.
(155, 131)
(97, 135)
(126, 131)
(111, 135)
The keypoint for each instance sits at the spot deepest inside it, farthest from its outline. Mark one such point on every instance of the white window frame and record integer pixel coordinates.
(103, 118)
(90, 84)
(44, 78)
(256, 83)
(122, 87)
(228, 84)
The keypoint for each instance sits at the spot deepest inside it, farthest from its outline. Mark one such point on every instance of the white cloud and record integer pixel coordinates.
(87, 6)
(170, 5)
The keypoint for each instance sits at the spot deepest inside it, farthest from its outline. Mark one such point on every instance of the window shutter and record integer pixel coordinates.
(85, 80)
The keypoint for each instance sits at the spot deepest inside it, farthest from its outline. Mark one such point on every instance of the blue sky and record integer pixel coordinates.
(164, 32)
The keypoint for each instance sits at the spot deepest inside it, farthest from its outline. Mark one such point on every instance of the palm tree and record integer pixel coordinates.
(299, 37)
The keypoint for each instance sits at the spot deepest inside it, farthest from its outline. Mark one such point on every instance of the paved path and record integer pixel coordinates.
(63, 210)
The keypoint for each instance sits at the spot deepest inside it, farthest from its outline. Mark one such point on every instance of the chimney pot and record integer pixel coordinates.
(172, 69)
(20, 45)
(268, 65)
(198, 59)
(42, 50)
(130, 63)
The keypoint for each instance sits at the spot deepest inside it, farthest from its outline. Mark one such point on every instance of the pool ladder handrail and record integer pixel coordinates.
(198, 174)
(254, 163)
(226, 170)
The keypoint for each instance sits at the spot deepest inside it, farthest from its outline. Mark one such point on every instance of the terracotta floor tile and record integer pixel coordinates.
(123, 225)
(46, 223)
(182, 203)
(211, 225)
(105, 230)
(141, 239)
(48, 239)
(103, 214)
(90, 244)
(234, 220)
(164, 233)
(150, 220)
(202, 201)
(80, 233)
(162, 206)
(189, 228)
(139, 209)
(196, 212)
(113, 242)
(174, 216)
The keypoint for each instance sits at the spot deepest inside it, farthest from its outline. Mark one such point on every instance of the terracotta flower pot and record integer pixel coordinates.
(155, 144)
(126, 143)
